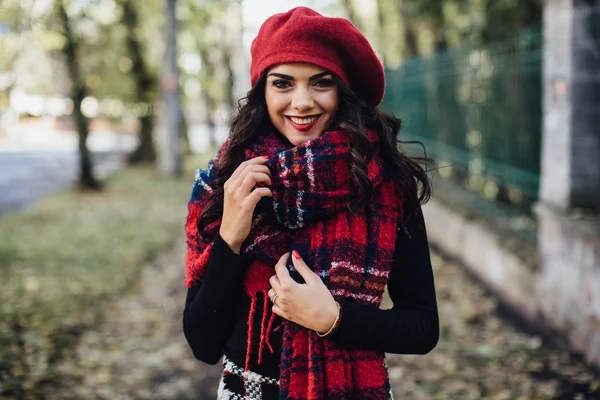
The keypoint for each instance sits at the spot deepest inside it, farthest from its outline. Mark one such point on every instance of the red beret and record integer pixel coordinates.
(334, 44)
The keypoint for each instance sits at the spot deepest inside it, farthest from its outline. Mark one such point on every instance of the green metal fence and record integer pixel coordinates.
(478, 112)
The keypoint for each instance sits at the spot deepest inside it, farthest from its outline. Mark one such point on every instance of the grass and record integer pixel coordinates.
(64, 257)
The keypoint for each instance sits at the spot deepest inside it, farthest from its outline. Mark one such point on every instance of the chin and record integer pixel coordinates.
(297, 141)
(297, 138)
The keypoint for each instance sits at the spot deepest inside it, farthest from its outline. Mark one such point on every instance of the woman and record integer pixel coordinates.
(305, 214)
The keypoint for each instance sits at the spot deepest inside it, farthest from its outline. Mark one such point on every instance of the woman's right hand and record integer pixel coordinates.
(240, 200)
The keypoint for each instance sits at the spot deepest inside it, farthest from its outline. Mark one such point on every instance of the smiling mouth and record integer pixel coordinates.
(303, 120)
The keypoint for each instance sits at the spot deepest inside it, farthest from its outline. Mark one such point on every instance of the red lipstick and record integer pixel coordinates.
(303, 127)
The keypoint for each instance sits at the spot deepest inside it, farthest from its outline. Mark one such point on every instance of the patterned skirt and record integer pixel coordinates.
(237, 384)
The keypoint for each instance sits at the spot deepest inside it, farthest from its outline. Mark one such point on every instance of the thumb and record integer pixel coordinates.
(281, 269)
(302, 268)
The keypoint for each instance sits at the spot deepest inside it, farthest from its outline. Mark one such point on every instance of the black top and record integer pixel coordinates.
(216, 311)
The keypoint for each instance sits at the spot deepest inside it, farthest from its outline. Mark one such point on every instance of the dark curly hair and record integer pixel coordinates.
(353, 116)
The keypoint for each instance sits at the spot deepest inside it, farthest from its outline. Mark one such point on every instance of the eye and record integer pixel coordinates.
(324, 83)
(281, 84)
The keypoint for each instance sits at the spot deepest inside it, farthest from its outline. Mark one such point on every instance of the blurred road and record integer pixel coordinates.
(27, 175)
(37, 160)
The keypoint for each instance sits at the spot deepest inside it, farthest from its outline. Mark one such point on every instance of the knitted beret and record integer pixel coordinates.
(302, 35)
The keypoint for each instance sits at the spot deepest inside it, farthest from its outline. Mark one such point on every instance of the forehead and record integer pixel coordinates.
(297, 70)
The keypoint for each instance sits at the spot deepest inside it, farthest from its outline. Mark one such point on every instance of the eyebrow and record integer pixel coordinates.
(291, 78)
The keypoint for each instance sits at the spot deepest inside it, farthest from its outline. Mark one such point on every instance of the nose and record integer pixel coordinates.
(302, 99)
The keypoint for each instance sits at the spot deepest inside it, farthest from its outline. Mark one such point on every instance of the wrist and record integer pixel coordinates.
(333, 321)
(235, 246)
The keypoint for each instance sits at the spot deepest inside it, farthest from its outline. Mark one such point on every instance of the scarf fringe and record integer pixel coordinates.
(263, 327)
(266, 329)
(269, 331)
(250, 326)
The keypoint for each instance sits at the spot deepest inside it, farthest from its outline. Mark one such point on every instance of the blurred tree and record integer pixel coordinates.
(13, 18)
(381, 22)
(420, 28)
(504, 18)
(210, 102)
(392, 29)
(170, 160)
(209, 40)
(227, 49)
(184, 133)
(352, 14)
(409, 33)
(87, 180)
(429, 13)
(144, 82)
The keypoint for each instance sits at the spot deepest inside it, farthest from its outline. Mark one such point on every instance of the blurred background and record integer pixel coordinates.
(108, 106)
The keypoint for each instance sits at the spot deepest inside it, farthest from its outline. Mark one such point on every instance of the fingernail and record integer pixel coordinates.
(296, 254)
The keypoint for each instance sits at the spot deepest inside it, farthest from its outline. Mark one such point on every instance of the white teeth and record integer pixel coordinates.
(303, 121)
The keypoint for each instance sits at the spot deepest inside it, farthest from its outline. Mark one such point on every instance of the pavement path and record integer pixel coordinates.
(139, 352)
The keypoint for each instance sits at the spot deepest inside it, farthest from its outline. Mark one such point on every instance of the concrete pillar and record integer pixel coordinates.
(571, 135)
(568, 241)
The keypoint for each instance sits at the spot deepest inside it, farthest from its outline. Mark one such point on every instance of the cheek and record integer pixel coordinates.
(275, 104)
(329, 101)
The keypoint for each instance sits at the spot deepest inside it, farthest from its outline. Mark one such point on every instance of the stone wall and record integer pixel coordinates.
(487, 251)
(569, 280)
(554, 285)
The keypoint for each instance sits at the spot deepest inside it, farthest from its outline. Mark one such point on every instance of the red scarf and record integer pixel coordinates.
(352, 252)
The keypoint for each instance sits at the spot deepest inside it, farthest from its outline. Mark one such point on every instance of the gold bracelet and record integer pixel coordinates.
(335, 323)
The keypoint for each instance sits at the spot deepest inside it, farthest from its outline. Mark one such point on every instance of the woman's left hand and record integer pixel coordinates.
(310, 305)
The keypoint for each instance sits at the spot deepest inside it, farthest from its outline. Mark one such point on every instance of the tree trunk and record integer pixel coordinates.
(145, 152)
(185, 135)
(170, 161)
(145, 85)
(87, 181)
(410, 49)
(437, 26)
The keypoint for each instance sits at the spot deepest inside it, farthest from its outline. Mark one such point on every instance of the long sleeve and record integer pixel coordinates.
(211, 307)
(412, 325)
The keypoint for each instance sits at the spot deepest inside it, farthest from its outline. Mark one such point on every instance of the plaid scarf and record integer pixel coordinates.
(312, 187)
